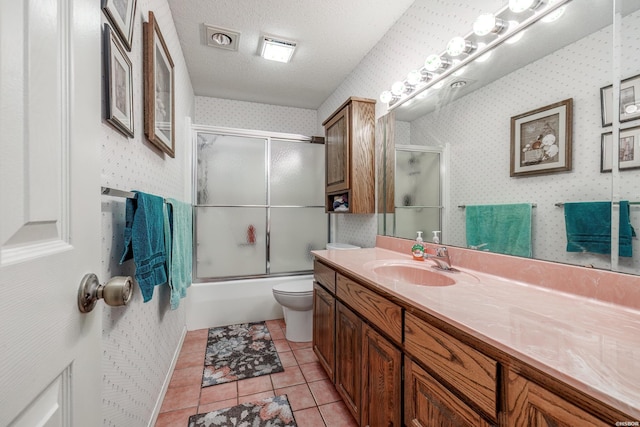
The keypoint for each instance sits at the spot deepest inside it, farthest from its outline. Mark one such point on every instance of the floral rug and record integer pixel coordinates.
(239, 351)
(270, 412)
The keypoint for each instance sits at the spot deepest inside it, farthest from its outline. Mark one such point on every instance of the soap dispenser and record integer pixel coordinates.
(417, 250)
(436, 237)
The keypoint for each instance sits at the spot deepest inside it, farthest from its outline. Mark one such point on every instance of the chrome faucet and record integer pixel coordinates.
(441, 258)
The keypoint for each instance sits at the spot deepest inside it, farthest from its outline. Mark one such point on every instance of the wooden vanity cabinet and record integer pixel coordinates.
(367, 370)
(324, 327)
(349, 367)
(466, 371)
(324, 317)
(350, 155)
(531, 405)
(364, 341)
(381, 381)
(428, 403)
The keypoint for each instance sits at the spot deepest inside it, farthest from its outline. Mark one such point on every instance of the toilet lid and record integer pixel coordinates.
(295, 286)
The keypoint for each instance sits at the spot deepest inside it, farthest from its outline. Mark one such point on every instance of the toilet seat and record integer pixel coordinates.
(295, 287)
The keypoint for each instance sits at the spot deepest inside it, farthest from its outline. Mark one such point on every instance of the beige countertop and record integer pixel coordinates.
(591, 345)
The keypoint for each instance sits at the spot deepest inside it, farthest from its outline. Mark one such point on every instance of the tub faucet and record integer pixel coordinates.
(441, 258)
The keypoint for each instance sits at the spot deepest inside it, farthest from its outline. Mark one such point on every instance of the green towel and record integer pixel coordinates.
(588, 227)
(503, 229)
(178, 240)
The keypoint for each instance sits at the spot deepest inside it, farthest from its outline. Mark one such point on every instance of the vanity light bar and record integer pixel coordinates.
(438, 67)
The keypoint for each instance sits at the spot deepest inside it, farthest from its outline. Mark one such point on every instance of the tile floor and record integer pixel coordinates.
(312, 396)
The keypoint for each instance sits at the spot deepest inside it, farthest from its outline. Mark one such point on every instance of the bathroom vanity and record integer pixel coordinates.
(406, 344)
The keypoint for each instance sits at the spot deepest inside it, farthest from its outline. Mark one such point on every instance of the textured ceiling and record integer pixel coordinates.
(333, 36)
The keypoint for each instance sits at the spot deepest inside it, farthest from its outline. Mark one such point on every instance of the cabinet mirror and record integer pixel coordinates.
(462, 127)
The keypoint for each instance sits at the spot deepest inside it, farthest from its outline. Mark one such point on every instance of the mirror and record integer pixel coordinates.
(570, 58)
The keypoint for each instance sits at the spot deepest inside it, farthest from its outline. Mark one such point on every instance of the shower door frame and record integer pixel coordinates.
(249, 133)
(443, 151)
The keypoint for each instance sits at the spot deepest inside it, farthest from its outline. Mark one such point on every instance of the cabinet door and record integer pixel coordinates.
(532, 405)
(429, 404)
(324, 321)
(381, 381)
(349, 358)
(337, 151)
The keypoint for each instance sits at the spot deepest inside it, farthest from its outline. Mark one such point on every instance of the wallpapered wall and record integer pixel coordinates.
(251, 115)
(426, 27)
(139, 341)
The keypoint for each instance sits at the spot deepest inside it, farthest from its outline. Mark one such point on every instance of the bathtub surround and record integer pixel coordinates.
(240, 351)
(270, 412)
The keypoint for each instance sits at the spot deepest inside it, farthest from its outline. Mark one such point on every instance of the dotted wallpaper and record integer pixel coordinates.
(251, 115)
(139, 341)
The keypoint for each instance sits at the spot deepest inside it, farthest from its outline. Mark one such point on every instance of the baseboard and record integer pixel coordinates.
(167, 380)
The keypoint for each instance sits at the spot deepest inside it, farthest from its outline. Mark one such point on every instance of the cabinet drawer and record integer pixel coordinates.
(375, 309)
(325, 276)
(470, 372)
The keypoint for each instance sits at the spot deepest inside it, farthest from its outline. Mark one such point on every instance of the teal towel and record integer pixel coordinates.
(588, 227)
(178, 238)
(503, 229)
(144, 241)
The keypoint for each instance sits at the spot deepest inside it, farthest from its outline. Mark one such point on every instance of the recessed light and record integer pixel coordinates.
(222, 38)
(276, 49)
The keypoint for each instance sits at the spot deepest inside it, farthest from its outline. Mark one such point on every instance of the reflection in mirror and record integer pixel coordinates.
(626, 179)
(570, 58)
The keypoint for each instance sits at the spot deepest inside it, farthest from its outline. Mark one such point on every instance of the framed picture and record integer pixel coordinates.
(628, 150)
(541, 140)
(629, 101)
(120, 14)
(118, 84)
(159, 121)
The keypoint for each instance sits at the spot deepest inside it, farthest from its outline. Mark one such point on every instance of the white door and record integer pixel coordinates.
(49, 211)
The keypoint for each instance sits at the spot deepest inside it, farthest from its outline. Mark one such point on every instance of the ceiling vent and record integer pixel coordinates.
(222, 38)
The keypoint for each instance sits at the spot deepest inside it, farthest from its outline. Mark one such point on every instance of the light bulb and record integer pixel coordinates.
(488, 23)
(519, 6)
(397, 88)
(631, 109)
(386, 97)
(435, 62)
(459, 45)
(414, 77)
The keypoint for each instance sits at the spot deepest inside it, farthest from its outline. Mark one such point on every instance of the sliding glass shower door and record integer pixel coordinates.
(259, 205)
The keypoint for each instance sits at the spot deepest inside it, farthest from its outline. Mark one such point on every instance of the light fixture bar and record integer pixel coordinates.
(444, 67)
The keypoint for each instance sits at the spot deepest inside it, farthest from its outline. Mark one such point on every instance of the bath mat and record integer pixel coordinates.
(271, 412)
(239, 351)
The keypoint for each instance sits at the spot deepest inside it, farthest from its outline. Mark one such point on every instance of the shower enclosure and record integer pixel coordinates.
(259, 203)
(419, 181)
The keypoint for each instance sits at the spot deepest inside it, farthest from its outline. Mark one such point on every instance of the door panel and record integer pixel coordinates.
(50, 216)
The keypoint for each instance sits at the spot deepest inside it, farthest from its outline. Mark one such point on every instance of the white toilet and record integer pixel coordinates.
(296, 299)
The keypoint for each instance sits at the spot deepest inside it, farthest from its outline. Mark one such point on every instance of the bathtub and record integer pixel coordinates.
(236, 301)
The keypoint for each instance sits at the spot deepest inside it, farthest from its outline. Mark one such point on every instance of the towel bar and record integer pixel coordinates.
(533, 205)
